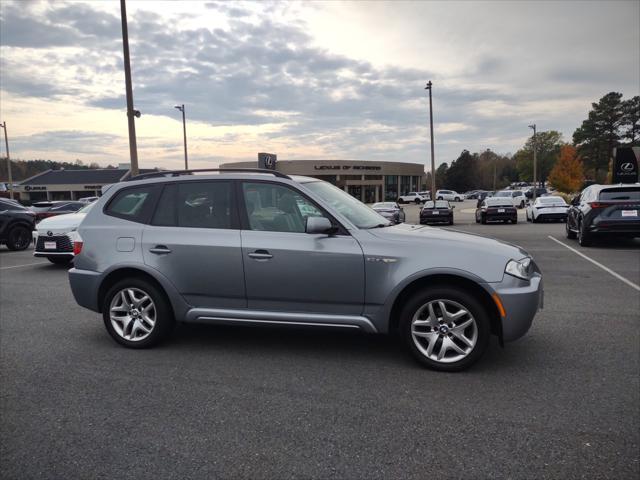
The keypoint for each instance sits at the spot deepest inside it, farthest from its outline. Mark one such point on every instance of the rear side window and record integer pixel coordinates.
(195, 205)
(132, 203)
(631, 193)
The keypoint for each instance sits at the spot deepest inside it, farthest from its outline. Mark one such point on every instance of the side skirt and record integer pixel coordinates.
(258, 317)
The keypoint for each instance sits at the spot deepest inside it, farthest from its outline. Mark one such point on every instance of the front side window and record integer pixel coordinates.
(131, 203)
(354, 210)
(276, 208)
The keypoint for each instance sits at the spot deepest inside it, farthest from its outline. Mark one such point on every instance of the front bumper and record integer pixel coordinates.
(63, 245)
(521, 301)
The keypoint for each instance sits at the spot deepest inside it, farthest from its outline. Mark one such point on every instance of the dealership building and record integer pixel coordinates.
(368, 181)
(65, 184)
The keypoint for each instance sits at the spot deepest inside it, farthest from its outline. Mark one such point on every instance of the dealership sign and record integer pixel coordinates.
(34, 188)
(347, 167)
(625, 165)
(267, 160)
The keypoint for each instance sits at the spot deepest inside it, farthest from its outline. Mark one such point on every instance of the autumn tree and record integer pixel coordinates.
(567, 175)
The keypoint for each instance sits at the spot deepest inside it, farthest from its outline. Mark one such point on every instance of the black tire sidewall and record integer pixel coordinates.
(461, 297)
(164, 314)
(10, 238)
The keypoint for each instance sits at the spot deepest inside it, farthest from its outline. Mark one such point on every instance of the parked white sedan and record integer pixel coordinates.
(547, 208)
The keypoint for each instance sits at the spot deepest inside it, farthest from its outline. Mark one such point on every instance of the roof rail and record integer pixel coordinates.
(177, 173)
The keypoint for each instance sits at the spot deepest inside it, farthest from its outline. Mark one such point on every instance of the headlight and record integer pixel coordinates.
(519, 268)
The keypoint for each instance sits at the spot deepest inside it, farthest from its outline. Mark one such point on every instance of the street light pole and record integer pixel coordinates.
(535, 162)
(433, 165)
(184, 132)
(133, 147)
(6, 144)
(495, 168)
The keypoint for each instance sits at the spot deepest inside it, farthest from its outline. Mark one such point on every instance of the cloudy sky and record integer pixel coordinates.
(338, 80)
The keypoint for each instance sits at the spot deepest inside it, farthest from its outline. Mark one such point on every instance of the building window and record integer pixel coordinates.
(350, 177)
(391, 187)
(405, 184)
(373, 177)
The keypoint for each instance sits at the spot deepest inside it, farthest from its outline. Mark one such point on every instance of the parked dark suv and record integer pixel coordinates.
(604, 210)
(16, 224)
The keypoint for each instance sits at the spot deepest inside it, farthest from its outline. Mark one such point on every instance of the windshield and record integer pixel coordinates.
(354, 210)
(86, 208)
(551, 201)
(384, 205)
(502, 194)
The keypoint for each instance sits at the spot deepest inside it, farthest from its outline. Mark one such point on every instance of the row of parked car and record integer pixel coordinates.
(45, 223)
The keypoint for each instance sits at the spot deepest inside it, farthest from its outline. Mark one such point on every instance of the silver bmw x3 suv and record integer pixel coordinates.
(259, 247)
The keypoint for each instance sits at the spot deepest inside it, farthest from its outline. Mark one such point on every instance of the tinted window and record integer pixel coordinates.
(204, 204)
(72, 206)
(131, 203)
(7, 205)
(631, 193)
(277, 208)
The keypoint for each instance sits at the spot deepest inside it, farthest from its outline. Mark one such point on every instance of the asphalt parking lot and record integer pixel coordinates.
(232, 402)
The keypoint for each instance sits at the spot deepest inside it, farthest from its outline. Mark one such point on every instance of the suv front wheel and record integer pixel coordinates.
(136, 314)
(445, 328)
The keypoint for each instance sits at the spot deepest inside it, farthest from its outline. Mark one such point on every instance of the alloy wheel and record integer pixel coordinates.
(133, 314)
(444, 331)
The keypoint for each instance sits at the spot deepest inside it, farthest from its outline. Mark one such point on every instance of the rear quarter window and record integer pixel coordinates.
(134, 204)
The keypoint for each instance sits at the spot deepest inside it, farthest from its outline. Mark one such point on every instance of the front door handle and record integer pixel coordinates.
(160, 250)
(261, 255)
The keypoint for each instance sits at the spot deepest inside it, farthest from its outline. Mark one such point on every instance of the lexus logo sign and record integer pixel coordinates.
(267, 160)
(627, 167)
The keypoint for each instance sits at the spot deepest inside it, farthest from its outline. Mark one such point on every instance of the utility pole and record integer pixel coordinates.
(495, 167)
(133, 147)
(535, 163)
(184, 132)
(433, 164)
(6, 144)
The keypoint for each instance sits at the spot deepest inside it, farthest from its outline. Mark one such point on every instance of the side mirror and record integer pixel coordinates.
(317, 225)
(576, 200)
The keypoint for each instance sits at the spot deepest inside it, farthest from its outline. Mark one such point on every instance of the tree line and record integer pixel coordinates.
(611, 122)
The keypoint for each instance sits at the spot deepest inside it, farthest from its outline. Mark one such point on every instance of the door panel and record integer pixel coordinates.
(305, 273)
(204, 264)
(194, 241)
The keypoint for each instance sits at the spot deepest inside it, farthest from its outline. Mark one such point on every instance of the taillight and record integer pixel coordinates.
(77, 247)
(599, 205)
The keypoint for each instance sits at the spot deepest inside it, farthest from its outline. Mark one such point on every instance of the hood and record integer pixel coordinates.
(64, 223)
(449, 239)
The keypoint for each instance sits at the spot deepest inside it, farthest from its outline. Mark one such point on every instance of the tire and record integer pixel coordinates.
(18, 238)
(451, 222)
(584, 237)
(571, 235)
(454, 300)
(61, 260)
(483, 220)
(417, 201)
(400, 201)
(439, 198)
(164, 318)
(535, 220)
(457, 199)
(477, 219)
(515, 220)
(522, 204)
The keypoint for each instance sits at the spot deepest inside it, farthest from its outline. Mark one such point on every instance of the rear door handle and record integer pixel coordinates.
(160, 250)
(260, 255)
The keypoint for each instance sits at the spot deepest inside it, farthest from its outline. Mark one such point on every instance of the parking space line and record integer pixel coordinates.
(24, 265)
(598, 264)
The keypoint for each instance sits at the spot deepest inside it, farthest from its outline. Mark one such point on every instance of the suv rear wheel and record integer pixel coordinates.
(445, 328)
(136, 314)
(584, 237)
(570, 233)
(19, 238)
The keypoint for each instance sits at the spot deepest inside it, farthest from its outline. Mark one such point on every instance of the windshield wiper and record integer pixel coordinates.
(380, 225)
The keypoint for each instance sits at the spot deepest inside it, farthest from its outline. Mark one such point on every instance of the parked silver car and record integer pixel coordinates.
(243, 247)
